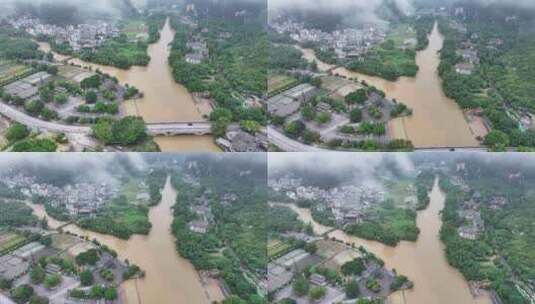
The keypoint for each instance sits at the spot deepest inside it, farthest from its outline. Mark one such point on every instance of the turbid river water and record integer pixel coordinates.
(164, 100)
(170, 279)
(437, 120)
(423, 261)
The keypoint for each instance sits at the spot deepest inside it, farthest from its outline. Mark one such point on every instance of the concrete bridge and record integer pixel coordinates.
(179, 128)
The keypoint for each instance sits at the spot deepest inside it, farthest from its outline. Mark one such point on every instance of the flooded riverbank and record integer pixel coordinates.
(164, 100)
(437, 120)
(170, 279)
(423, 261)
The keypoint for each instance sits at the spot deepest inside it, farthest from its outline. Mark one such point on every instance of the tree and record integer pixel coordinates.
(89, 257)
(301, 286)
(234, 300)
(61, 98)
(22, 294)
(110, 294)
(250, 126)
(38, 300)
(354, 267)
(496, 139)
(317, 293)
(308, 112)
(311, 248)
(359, 96)
(355, 115)
(352, 289)
(37, 275)
(34, 107)
(91, 96)
(86, 278)
(294, 129)
(323, 118)
(219, 127)
(220, 113)
(17, 132)
(52, 280)
(91, 82)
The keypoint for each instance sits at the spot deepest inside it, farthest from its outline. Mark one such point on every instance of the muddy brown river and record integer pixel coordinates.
(437, 120)
(170, 279)
(423, 261)
(164, 100)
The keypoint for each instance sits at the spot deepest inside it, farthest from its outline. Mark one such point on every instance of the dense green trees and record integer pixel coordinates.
(387, 63)
(16, 44)
(90, 257)
(22, 294)
(35, 145)
(300, 286)
(16, 132)
(352, 289)
(16, 214)
(126, 131)
(86, 278)
(37, 275)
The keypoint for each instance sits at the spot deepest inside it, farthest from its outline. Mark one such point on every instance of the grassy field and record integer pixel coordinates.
(9, 240)
(131, 189)
(397, 192)
(279, 82)
(276, 247)
(10, 71)
(400, 33)
(132, 28)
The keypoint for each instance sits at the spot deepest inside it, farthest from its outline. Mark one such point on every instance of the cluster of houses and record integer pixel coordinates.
(347, 43)
(198, 51)
(81, 36)
(289, 102)
(79, 199)
(204, 215)
(349, 204)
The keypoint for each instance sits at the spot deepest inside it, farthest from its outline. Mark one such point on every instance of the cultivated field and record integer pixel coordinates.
(10, 71)
(277, 83)
(10, 240)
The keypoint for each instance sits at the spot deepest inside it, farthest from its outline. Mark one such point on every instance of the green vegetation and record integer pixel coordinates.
(17, 132)
(16, 44)
(501, 85)
(95, 293)
(120, 219)
(236, 67)
(22, 294)
(237, 247)
(35, 145)
(52, 281)
(390, 225)
(387, 61)
(498, 255)
(126, 131)
(16, 214)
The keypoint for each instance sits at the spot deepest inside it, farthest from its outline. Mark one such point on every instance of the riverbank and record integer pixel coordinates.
(164, 100)
(169, 279)
(437, 121)
(423, 261)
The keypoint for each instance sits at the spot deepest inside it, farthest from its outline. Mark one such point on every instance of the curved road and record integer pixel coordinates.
(179, 128)
(287, 144)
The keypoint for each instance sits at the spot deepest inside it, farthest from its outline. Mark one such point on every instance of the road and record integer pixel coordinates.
(167, 129)
(287, 144)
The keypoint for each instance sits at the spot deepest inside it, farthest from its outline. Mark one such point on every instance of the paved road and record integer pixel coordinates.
(287, 144)
(32, 122)
(179, 128)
